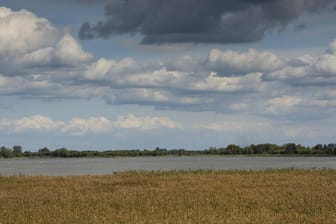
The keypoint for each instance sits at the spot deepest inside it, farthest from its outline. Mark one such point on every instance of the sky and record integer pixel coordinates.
(137, 74)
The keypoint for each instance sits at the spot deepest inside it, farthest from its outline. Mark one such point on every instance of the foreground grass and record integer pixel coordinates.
(273, 196)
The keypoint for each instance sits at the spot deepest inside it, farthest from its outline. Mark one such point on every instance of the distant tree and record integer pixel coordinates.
(44, 152)
(248, 150)
(303, 150)
(233, 149)
(17, 149)
(28, 153)
(181, 152)
(6, 152)
(290, 148)
(318, 149)
(331, 149)
(62, 152)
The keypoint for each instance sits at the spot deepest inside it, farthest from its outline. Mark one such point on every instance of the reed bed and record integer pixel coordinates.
(269, 196)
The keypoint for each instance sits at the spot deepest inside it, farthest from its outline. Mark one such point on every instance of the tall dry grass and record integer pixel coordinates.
(282, 196)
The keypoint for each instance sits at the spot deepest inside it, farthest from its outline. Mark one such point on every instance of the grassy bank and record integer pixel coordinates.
(282, 196)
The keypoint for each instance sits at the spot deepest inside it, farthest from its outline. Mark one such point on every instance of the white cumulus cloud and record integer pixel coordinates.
(84, 126)
(283, 104)
(22, 32)
(246, 62)
(48, 63)
(28, 40)
(110, 70)
(235, 126)
(145, 123)
(213, 82)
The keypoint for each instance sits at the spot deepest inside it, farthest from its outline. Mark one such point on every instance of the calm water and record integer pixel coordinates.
(82, 166)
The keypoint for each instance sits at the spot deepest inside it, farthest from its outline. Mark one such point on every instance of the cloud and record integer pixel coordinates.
(66, 52)
(239, 106)
(198, 21)
(41, 45)
(332, 47)
(300, 107)
(79, 126)
(84, 126)
(127, 73)
(263, 130)
(69, 52)
(243, 62)
(54, 66)
(145, 123)
(235, 126)
(105, 69)
(288, 73)
(160, 99)
(248, 82)
(186, 63)
(300, 27)
(38, 32)
(41, 123)
(42, 87)
(23, 86)
(308, 70)
(37, 122)
(283, 104)
(326, 64)
(162, 48)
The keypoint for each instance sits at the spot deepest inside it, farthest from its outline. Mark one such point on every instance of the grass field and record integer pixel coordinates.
(272, 196)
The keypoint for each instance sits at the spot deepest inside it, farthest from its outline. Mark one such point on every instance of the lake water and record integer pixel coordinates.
(97, 166)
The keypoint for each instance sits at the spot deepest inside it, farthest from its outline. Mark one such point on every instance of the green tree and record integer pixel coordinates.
(44, 152)
(290, 148)
(6, 152)
(17, 149)
(62, 152)
(233, 149)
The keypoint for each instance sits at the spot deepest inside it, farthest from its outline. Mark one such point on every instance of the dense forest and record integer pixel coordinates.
(259, 149)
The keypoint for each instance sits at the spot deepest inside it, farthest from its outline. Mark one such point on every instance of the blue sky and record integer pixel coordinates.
(189, 74)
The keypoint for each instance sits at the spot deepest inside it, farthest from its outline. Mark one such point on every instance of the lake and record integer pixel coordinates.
(98, 166)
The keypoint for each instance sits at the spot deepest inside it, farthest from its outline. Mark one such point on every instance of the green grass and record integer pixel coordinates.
(271, 196)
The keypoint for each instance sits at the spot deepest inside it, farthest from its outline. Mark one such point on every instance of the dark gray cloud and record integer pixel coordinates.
(300, 27)
(87, 1)
(198, 21)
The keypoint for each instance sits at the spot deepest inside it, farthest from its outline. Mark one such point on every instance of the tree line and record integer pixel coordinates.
(259, 149)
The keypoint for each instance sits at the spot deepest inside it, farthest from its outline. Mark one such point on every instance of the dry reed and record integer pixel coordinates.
(271, 196)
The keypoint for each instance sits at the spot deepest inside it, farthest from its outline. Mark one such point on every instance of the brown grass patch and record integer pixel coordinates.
(278, 196)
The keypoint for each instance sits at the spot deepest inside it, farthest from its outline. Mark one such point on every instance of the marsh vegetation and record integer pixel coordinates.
(259, 149)
(268, 196)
